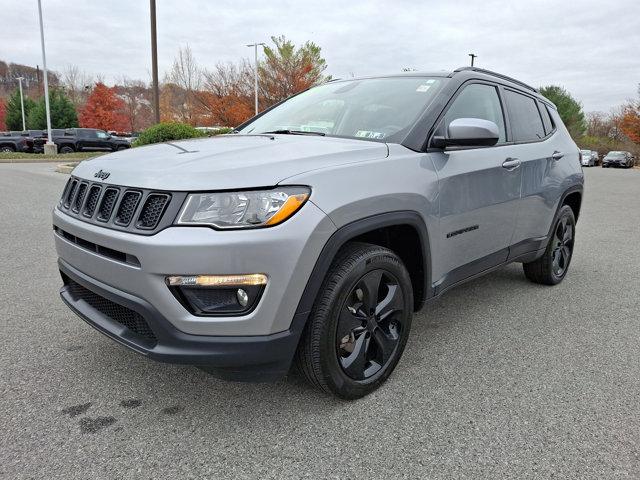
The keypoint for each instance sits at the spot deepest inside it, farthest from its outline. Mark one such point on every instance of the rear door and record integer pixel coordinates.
(479, 189)
(544, 154)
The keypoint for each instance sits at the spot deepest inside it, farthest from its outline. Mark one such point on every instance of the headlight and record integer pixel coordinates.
(251, 209)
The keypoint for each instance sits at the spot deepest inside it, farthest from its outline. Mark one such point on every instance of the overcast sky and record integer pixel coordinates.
(590, 47)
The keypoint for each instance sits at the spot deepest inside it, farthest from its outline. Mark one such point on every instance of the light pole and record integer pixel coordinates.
(255, 71)
(49, 147)
(24, 125)
(154, 61)
(473, 57)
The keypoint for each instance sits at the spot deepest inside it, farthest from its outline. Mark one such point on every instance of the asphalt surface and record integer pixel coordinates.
(501, 378)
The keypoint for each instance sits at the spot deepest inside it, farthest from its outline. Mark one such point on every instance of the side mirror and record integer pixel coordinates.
(469, 132)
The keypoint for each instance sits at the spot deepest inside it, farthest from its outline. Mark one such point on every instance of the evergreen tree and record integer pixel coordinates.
(63, 113)
(13, 115)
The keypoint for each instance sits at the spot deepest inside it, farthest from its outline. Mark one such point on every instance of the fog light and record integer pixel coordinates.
(243, 297)
(218, 295)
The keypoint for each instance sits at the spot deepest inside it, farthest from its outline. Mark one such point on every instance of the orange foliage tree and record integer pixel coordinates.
(288, 70)
(630, 123)
(104, 110)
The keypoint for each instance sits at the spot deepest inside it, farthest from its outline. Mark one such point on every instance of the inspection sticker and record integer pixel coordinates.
(369, 134)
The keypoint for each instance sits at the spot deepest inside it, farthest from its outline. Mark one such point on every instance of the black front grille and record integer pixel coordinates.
(114, 311)
(77, 202)
(70, 193)
(92, 201)
(152, 210)
(135, 210)
(108, 202)
(127, 208)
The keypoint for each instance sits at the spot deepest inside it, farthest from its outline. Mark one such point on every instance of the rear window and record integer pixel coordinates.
(526, 124)
(546, 118)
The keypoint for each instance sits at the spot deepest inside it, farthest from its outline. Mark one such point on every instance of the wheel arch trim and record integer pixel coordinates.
(359, 227)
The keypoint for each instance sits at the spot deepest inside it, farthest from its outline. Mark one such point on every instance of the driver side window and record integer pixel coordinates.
(478, 101)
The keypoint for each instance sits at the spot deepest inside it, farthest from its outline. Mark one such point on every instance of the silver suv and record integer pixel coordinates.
(311, 234)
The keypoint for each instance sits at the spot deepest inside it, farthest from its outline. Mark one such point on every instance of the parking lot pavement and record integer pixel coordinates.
(501, 378)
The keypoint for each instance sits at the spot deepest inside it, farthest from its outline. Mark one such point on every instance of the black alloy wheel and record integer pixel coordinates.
(369, 325)
(562, 246)
(552, 266)
(359, 324)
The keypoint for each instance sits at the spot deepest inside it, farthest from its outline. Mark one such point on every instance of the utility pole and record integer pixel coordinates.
(49, 147)
(24, 124)
(154, 61)
(255, 71)
(473, 57)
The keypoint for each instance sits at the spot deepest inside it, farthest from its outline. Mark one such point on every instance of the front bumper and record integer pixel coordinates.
(260, 358)
(285, 253)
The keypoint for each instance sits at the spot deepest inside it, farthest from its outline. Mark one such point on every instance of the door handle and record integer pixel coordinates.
(557, 155)
(511, 163)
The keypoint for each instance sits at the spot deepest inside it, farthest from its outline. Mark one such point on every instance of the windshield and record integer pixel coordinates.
(616, 154)
(379, 109)
(586, 152)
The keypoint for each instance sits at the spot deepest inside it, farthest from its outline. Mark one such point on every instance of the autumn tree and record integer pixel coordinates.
(104, 110)
(77, 84)
(287, 70)
(137, 100)
(630, 120)
(63, 113)
(227, 96)
(569, 109)
(186, 75)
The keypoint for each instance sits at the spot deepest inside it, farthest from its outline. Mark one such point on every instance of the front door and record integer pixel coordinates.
(479, 190)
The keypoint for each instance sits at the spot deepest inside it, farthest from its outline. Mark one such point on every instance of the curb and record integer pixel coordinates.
(29, 160)
(66, 167)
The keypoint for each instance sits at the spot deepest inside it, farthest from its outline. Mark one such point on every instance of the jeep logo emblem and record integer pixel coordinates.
(102, 175)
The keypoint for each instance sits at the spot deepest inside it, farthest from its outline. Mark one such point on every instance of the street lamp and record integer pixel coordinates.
(24, 125)
(49, 147)
(255, 70)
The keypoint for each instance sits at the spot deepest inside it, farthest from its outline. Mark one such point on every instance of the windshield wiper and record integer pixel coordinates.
(296, 132)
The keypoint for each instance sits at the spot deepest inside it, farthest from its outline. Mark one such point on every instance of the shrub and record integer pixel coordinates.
(167, 131)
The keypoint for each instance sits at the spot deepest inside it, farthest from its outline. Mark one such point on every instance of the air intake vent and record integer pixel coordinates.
(77, 203)
(108, 202)
(127, 208)
(92, 201)
(152, 211)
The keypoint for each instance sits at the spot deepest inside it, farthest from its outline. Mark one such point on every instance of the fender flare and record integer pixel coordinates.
(352, 230)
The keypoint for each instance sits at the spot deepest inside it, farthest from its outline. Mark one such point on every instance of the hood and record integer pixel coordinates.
(227, 161)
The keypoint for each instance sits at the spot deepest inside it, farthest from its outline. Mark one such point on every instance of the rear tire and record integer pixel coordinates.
(552, 267)
(66, 149)
(7, 149)
(359, 324)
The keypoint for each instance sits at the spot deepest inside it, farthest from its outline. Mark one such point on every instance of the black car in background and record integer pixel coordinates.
(83, 140)
(15, 142)
(618, 159)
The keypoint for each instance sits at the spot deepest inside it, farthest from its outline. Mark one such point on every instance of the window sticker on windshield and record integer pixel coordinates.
(369, 134)
(423, 88)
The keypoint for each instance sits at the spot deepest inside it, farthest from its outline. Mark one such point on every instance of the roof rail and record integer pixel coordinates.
(494, 74)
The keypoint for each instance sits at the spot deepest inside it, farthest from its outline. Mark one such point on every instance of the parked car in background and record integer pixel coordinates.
(618, 159)
(15, 142)
(589, 158)
(84, 140)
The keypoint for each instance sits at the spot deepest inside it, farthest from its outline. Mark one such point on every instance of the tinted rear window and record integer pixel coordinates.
(526, 124)
(546, 118)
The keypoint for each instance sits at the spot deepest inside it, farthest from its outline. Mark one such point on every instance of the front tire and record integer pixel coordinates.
(359, 324)
(552, 267)
(66, 149)
(7, 149)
